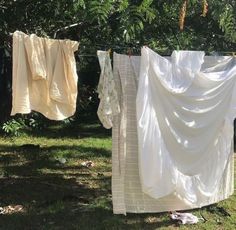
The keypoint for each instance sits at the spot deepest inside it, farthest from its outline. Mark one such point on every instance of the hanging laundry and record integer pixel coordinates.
(126, 190)
(185, 113)
(127, 193)
(44, 76)
(109, 104)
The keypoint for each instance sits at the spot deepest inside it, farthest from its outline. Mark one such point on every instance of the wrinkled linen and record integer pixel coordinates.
(44, 76)
(109, 103)
(127, 194)
(185, 113)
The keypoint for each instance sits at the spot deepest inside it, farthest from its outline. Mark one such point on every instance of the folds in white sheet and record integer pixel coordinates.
(185, 112)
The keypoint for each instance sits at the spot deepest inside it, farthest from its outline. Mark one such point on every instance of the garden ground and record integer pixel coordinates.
(43, 185)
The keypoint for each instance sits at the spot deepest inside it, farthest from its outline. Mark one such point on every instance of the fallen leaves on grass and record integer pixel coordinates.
(10, 209)
(88, 164)
(151, 220)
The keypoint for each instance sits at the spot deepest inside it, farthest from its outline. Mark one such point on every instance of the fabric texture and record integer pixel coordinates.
(107, 93)
(44, 76)
(185, 128)
(185, 218)
(127, 193)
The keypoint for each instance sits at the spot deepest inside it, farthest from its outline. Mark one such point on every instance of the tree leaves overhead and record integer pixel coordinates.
(227, 21)
(125, 22)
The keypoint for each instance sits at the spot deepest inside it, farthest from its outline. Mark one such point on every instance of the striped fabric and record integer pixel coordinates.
(127, 195)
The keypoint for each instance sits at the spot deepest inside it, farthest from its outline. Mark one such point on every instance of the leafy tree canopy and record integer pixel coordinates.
(123, 23)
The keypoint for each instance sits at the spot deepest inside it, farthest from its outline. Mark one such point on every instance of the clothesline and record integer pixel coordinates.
(87, 55)
(132, 49)
(207, 53)
(172, 139)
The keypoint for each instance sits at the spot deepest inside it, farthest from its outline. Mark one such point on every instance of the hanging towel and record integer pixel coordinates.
(127, 194)
(35, 56)
(185, 114)
(107, 93)
(44, 76)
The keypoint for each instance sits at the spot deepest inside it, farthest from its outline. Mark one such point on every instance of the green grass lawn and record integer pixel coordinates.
(57, 195)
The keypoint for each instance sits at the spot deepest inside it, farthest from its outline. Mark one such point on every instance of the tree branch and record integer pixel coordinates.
(66, 28)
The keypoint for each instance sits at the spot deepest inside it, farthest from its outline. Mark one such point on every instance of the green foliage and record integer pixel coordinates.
(34, 121)
(87, 99)
(98, 11)
(227, 22)
(124, 22)
(13, 127)
(23, 123)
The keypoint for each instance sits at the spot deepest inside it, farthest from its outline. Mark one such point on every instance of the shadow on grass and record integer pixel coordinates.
(45, 196)
(71, 217)
(98, 218)
(54, 195)
(74, 130)
(62, 196)
(44, 152)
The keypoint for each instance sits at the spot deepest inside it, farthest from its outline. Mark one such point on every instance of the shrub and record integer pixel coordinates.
(13, 127)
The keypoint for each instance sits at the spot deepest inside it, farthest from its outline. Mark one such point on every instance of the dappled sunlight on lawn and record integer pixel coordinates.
(47, 180)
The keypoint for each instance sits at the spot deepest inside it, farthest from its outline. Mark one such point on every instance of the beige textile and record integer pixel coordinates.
(127, 195)
(44, 76)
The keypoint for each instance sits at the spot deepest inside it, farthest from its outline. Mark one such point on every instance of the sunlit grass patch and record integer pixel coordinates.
(45, 173)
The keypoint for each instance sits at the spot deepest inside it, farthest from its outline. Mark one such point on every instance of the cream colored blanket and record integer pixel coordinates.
(44, 76)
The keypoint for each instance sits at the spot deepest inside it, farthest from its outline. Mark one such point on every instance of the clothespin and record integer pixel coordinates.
(177, 47)
(129, 52)
(109, 51)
